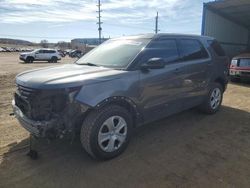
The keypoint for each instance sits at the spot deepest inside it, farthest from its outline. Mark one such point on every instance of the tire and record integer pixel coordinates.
(95, 127)
(53, 59)
(211, 106)
(234, 79)
(29, 60)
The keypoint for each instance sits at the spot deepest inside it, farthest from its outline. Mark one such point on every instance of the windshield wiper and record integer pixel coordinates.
(90, 64)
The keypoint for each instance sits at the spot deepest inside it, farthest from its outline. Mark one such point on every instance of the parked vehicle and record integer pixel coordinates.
(76, 53)
(49, 55)
(121, 84)
(62, 53)
(240, 67)
(6, 49)
(67, 51)
(2, 50)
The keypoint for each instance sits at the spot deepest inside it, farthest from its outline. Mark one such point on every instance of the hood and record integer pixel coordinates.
(24, 53)
(63, 76)
(242, 56)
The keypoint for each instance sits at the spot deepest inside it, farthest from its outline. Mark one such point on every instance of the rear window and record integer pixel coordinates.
(191, 49)
(215, 45)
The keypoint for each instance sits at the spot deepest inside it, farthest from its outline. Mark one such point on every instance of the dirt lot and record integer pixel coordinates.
(186, 150)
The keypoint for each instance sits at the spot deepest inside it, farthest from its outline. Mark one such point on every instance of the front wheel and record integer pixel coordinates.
(105, 133)
(213, 100)
(29, 60)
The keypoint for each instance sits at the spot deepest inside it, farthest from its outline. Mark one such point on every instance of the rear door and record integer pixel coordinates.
(48, 54)
(197, 61)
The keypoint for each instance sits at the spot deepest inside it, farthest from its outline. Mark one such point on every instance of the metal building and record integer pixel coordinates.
(229, 22)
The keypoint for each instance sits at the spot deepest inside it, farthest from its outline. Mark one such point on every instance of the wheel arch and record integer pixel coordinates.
(124, 102)
(221, 81)
(30, 57)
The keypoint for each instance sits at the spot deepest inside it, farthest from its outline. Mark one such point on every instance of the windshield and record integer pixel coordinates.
(114, 53)
(244, 63)
(36, 50)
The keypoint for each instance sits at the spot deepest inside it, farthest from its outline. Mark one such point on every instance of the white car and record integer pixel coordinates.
(50, 55)
(2, 50)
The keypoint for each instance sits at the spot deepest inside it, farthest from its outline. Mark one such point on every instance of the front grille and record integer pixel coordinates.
(25, 92)
(22, 104)
(40, 105)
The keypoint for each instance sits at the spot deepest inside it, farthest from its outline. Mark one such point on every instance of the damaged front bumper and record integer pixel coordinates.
(37, 128)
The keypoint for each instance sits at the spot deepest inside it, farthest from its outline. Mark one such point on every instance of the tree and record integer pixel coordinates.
(44, 43)
(63, 45)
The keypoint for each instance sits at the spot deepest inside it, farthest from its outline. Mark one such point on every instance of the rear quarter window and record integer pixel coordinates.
(216, 47)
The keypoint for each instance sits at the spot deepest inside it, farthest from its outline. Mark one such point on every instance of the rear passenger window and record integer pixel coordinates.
(191, 49)
(48, 51)
(215, 45)
(162, 48)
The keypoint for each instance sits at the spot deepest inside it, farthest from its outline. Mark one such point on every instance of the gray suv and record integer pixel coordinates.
(122, 84)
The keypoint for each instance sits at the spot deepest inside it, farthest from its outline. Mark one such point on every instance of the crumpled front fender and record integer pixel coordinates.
(93, 94)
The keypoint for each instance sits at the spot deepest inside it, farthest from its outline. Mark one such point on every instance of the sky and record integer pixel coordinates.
(63, 20)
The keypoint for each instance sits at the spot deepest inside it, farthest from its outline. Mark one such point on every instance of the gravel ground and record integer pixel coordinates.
(189, 149)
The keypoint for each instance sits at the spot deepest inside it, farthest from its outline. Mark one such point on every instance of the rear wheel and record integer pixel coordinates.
(53, 59)
(105, 133)
(213, 100)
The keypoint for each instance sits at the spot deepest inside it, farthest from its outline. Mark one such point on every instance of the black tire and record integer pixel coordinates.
(206, 106)
(92, 125)
(234, 79)
(29, 60)
(53, 59)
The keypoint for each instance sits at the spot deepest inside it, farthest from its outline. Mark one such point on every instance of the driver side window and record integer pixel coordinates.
(41, 51)
(165, 49)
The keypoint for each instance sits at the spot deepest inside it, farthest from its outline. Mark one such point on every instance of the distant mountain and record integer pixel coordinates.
(14, 41)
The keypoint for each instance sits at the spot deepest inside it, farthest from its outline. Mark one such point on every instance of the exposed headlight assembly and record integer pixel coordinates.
(72, 92)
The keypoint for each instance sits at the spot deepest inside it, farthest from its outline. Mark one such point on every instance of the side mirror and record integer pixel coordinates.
(154, 63)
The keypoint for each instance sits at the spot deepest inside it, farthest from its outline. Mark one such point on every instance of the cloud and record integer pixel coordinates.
(121, 11)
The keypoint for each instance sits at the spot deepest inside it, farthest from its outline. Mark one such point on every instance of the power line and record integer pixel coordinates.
(99, 21)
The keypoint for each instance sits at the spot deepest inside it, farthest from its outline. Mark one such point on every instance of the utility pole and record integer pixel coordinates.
(99, 21)
(156, 23)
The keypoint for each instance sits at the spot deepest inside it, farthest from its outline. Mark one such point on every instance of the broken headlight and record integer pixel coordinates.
(72, 92)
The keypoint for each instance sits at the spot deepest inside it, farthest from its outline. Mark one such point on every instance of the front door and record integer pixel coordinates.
(161, 89)
(39, 55)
